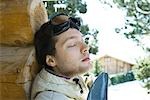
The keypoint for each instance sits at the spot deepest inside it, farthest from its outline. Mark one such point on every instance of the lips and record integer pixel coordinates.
(86, 59)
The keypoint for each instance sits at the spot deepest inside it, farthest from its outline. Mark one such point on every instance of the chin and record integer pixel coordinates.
(88, 65)
(86, 68)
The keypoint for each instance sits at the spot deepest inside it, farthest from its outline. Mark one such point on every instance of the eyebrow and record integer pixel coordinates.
(69, 38)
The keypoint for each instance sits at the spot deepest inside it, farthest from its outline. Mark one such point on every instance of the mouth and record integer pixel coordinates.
(86, 59)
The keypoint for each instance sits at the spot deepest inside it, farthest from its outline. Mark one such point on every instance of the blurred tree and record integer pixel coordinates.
(142, 71)
(97, 68)
(137, 25)
(72, 8)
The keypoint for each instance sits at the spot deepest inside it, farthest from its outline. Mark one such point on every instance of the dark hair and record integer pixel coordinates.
(44, 44)
(45, 40)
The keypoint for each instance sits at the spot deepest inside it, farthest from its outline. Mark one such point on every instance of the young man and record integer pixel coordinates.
(63, 54)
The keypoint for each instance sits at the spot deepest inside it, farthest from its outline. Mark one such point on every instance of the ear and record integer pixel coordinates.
(50, 60)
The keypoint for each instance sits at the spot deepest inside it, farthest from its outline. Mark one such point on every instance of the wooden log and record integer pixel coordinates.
(12, 91)
(19, 19)
(18, 68)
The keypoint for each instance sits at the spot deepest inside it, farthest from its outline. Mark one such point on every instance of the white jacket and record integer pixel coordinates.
(47, 86)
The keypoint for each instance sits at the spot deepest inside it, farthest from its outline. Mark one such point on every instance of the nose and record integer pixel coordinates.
(84, 48)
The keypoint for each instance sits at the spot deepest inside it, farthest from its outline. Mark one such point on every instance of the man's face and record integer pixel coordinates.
(72, 54)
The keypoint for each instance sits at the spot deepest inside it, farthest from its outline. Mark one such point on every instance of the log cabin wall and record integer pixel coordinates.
(19, 20)
(113, 65)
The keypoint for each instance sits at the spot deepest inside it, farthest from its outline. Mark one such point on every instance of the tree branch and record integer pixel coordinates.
(140, 10)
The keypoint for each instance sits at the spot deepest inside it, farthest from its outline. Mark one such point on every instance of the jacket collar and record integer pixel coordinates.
(65, 86)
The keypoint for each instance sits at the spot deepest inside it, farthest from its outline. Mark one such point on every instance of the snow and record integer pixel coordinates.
(128, 91)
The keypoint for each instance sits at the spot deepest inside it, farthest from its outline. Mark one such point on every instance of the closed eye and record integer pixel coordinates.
(72, 45)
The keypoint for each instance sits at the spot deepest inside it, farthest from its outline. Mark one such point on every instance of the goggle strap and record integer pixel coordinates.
(57, 14)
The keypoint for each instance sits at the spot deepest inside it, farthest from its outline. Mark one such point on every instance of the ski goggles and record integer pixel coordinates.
(60, 23)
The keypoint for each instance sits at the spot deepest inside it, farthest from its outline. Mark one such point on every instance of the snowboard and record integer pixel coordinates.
(98, 90)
